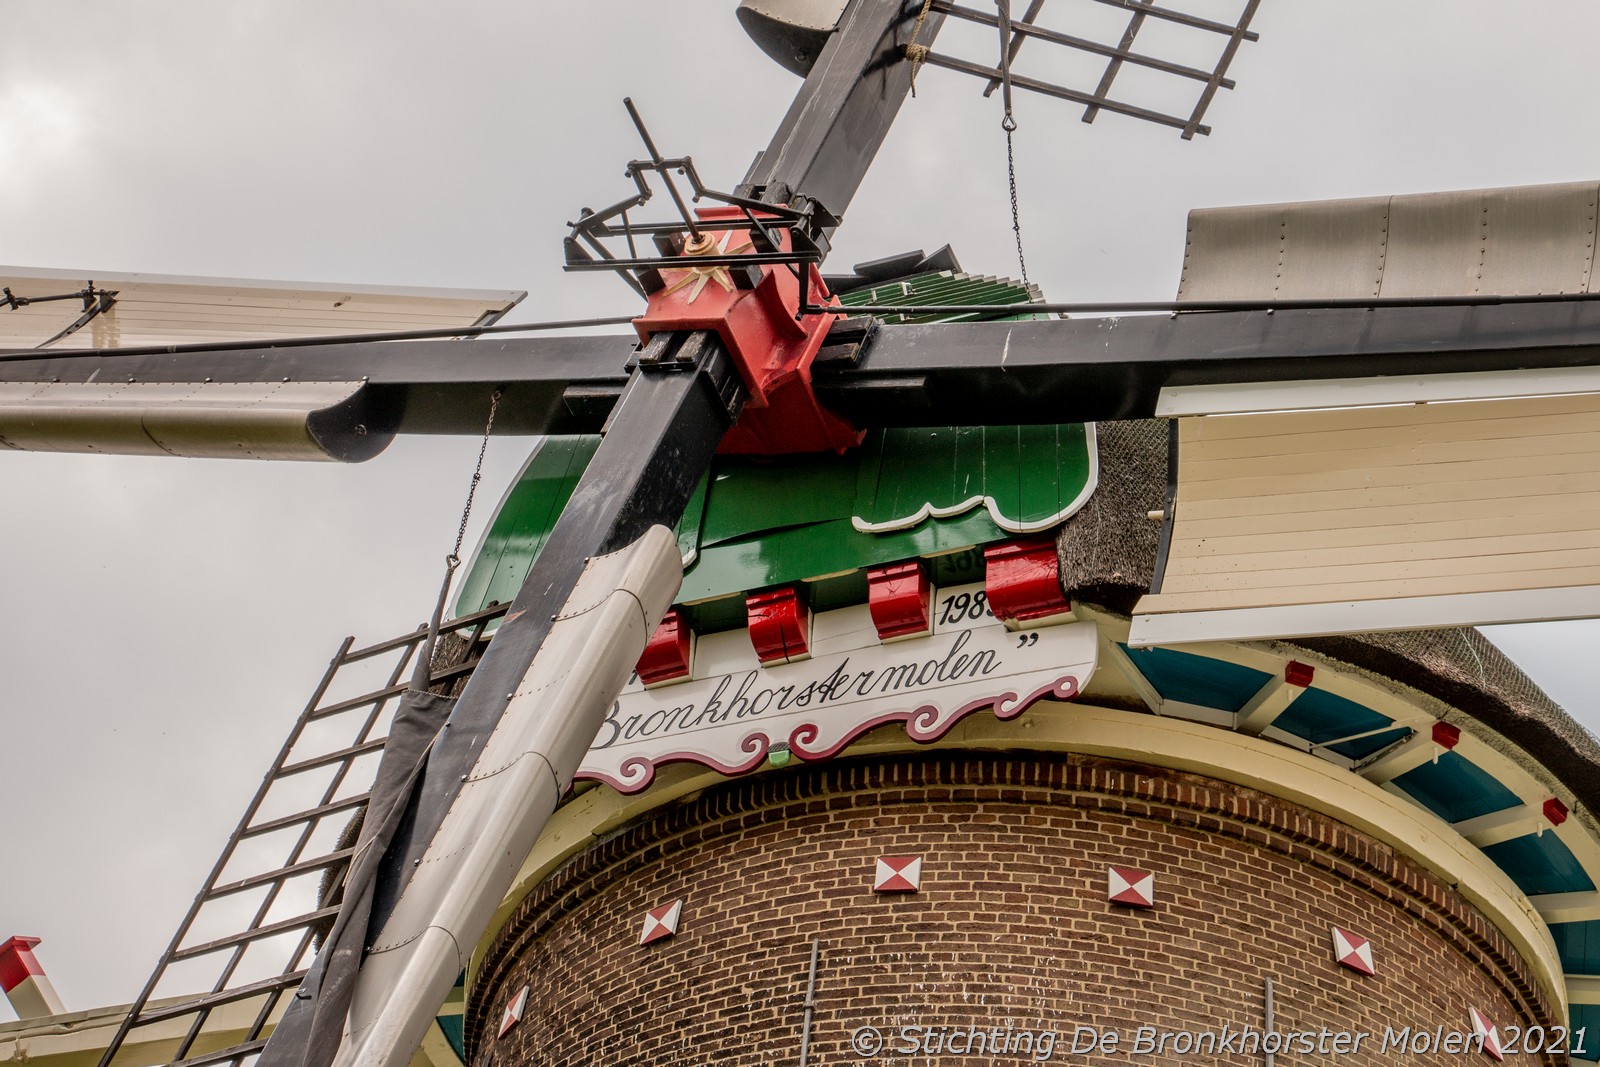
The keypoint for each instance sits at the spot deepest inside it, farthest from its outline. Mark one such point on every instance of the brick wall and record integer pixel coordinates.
(1011, 926)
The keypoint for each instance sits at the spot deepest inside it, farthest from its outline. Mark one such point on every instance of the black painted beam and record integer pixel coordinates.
(937, 374)
(551, 384)
(1080, 370)
(843, 112)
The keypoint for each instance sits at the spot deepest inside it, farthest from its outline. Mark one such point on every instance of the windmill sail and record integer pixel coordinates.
(1393, 501)
(134, 414)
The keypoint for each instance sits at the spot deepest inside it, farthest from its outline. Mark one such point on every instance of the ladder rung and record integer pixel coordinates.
(226, 996)
(459, 669)
(330, 757)
(233, 1052)
(299, 922)
(358, 702)
(296, 819)
(415, 636)
(281, 873)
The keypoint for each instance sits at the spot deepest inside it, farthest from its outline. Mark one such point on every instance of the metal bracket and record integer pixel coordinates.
(790, 236)
(96, 301)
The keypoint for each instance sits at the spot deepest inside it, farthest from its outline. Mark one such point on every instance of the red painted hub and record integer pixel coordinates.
(772, 350)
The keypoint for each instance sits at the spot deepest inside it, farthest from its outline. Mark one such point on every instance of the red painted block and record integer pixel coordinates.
(1353, 951)
(1131, 886)
(900, 598)
(513, 1012)
(780, 625)
(668, 655)
(1445, 735)
(897, 874)
(1482, 1027)
(1555, 811)
(1023, 580)
(1299, 674)
(661, 923)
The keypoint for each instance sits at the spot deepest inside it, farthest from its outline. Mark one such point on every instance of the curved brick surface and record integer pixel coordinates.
(1011, 927)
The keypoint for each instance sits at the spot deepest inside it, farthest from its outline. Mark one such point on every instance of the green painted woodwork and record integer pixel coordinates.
(758, 522)
(1366, 746)
(1318, 715)
(1540, 863)
(1578, 944)
(1454, 788)
(523, 521)
(1029, 477)
(946, 287)
(452, 1026)
(1208, 683)
(761, 521)
(1587, 1017)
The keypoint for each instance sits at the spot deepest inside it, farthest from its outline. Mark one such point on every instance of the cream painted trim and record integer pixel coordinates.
(77, 1038)
(1520, 773)
(1166, 742)
(1365, 616)
(1270, 701)
(1568, 907)
(1256, 397)
(1498, 826)
(1584, 988)
(906, 522)
(435, 1050)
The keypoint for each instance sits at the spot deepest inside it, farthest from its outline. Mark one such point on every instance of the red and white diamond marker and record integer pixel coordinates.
(1482, 1027)
(1129, 885)
(1353, 950)
(898, 874)
(513, 1013)
(660, 922)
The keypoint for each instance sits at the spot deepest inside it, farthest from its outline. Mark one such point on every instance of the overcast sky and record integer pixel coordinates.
(165, 619)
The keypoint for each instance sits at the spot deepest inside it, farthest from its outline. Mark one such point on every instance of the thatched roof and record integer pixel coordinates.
(1108, 552)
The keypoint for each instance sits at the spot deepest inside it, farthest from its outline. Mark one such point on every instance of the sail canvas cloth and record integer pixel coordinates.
(1384, 503)
(311, 1029)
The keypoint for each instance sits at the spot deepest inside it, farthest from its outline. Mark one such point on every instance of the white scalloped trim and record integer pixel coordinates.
(1009, 525)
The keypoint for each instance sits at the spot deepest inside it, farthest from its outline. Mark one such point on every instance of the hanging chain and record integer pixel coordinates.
(422, 672)
(1016, 217)
(1009, 124)
(914, 51)
(454, 558)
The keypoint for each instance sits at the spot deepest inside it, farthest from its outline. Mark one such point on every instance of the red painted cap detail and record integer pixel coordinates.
(17, 964)
(667, 653)
(1024, 579)
(1555, 811)
(900, 598)
(773, 349)
(1299, 674)
(1445, 735)
(780, 624)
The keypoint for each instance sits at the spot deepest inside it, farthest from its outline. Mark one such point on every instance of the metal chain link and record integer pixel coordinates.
(1016, 217)
(454, 558)
(1008, 123)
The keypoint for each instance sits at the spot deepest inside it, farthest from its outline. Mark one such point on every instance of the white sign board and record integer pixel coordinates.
(732, 711)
